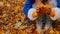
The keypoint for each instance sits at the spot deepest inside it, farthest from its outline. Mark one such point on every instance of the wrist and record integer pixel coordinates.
(35, 14)
(52, 13)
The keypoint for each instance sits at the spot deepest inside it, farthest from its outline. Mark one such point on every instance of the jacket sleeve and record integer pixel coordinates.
(58, 3)
(27, 6)
(57, 13)
(30, 13)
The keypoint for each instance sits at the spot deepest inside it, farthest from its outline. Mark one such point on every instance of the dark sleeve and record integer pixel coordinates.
(27, 6)
(58, 3)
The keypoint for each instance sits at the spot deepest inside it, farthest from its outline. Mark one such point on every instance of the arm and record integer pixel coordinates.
(29, 11)
(27, 6)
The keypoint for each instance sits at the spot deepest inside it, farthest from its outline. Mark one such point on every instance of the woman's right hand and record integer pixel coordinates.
(35, 14)
(38, 12)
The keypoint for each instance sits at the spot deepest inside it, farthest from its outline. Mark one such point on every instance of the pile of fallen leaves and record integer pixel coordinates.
(11, 13)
